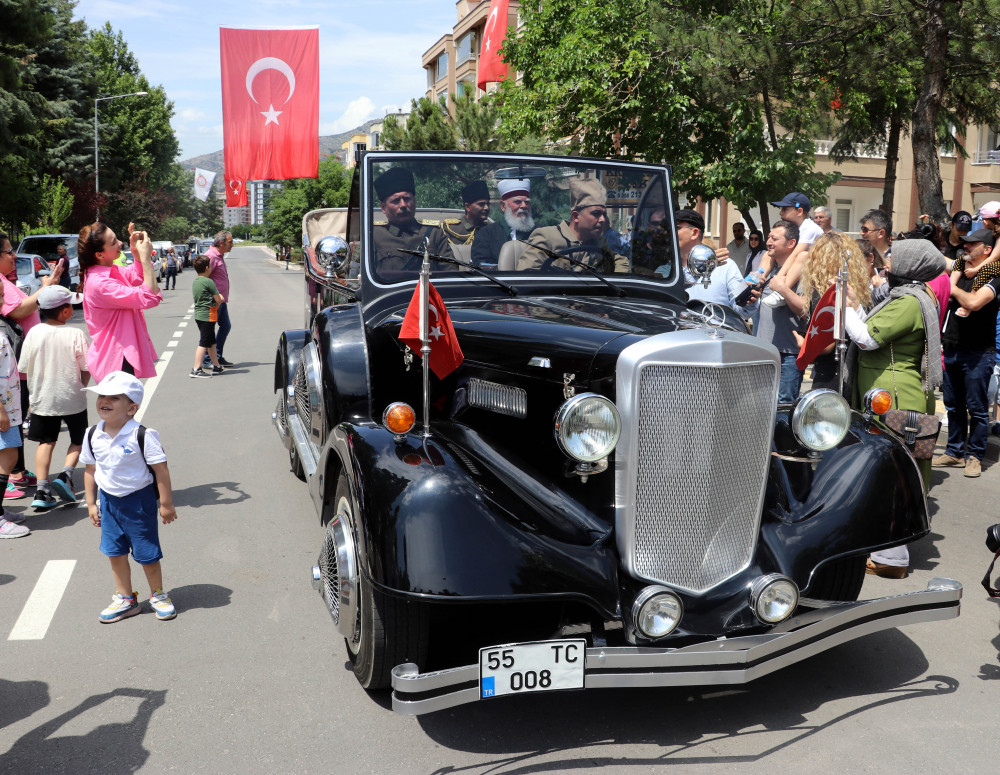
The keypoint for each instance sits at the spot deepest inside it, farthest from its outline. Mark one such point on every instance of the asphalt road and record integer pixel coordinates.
(251, 678)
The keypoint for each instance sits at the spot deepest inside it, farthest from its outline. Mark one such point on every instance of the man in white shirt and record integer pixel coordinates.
(739, 248)
(794, 207)
(821, 217)
(726, 281)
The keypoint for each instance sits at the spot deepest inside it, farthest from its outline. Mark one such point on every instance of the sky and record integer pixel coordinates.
(369, 56)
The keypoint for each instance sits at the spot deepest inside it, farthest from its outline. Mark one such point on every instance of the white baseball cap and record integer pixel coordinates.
(118, 383)
(55, 296)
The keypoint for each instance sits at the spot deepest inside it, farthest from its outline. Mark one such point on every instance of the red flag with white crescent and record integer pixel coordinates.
(491, 68)
(236, 192)
(820, 333)
(270, 103)
(446, 354)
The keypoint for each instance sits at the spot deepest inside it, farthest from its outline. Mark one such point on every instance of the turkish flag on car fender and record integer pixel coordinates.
(446, 354)
(236, 192)
(491, 69)
(270, 103)
(820, 333)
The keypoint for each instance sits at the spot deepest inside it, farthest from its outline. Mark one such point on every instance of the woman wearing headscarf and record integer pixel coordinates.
(757, 250)
(900, 351)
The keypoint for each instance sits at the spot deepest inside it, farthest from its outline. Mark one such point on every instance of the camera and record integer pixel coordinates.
(993, 538)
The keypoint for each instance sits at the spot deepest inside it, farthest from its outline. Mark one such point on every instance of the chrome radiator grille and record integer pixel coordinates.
(691, 490)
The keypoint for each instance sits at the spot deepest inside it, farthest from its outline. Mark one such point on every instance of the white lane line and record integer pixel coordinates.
(178, 334)
(173, 342)
(153, 382)
(182, 324)
(37, 614)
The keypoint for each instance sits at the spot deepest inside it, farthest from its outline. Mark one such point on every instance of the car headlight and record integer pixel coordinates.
(821, 419)
(656, 612)
(587, 427)
(773, 598)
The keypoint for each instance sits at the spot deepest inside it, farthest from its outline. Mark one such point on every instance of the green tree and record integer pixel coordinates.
(57, 204)
(285, 208)
(477, 123)
(429, 127)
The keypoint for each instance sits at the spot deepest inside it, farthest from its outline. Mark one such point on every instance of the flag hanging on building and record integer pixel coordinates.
(270, 103)
(820, 333)
(203, 180)
(446, 354)
(491, 69)
(236, 192)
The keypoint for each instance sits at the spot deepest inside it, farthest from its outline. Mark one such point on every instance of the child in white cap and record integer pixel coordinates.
(125, 471)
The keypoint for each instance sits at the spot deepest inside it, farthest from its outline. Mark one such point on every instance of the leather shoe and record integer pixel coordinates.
(873, 568)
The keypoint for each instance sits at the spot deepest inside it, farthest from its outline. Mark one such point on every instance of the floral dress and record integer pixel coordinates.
(10, 385)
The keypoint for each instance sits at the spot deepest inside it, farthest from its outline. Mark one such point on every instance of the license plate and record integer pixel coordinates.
(518, 668)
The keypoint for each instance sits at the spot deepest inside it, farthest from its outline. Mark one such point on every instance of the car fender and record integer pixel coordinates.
(428, 529)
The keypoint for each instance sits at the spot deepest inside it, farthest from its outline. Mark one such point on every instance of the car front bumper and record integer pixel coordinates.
(723, 661)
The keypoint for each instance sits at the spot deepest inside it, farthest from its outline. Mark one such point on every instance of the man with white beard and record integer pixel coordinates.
(515, 204)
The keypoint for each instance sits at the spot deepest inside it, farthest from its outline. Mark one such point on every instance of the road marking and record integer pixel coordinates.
(173, 342)
(37, 614)
(153, 382)
(182, 324)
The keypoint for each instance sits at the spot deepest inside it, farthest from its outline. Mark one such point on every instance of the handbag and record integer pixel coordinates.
(917, 430)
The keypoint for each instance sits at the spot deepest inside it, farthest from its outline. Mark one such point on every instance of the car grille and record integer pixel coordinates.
(700, 440)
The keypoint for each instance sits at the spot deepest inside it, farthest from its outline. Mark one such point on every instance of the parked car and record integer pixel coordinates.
(31, 268)
(45, 245)
(605, 492)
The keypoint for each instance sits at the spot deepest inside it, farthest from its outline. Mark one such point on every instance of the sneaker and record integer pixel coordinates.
(162, 606)
(10, 516)
(120, 608)
(947, 461)
(23, 479)
(199, 374)
(973, 467)
(63, 488)
(217, 370)
(13, 493)
(44, 500)
(9, 530)
(224, 362)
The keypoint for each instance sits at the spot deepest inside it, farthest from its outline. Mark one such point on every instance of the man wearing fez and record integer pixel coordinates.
(395, 189)
(515, 204)
(585, 228)
(462, 231)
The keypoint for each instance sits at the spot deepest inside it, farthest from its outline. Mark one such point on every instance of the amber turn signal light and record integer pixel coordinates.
(878, 401)
(399, 418)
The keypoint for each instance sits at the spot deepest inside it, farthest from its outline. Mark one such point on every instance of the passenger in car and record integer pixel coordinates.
(396, 192)
(581, 236)
(476, 200)
(518, 223)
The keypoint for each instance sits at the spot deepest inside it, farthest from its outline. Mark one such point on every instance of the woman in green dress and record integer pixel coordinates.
(900, 351)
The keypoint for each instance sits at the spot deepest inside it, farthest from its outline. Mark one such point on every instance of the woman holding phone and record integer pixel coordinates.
(114, 298)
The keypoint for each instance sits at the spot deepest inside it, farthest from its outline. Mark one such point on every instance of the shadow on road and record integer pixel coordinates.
(727, 725)
(5, 579)
(114, 747)
(21, 699)
(200, 596)
(213, 494)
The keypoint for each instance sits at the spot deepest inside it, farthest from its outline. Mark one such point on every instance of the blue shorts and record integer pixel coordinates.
(11, 437)
(128, 523)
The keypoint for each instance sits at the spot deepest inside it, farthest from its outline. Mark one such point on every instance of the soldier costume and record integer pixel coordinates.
(391, 238)
(461, 231)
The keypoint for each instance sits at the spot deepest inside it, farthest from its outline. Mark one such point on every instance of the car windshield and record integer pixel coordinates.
(46, 246)
(508, 215)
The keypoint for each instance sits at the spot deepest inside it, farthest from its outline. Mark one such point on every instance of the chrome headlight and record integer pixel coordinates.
(821, 419)
(773, 598)
(656, 612)
(587, 427)
(332, 253)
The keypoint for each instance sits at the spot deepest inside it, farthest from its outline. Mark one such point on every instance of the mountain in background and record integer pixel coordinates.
(329, 144)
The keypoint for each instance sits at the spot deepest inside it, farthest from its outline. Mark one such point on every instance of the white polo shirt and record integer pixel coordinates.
(120, 469)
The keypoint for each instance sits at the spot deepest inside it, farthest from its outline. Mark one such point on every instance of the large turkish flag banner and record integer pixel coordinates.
(491, 69)
(270, 103)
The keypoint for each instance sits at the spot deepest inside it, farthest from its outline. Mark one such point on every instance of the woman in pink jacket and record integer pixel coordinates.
(113, 300)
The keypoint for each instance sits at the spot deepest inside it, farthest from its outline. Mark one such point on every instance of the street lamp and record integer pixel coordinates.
(97, 162)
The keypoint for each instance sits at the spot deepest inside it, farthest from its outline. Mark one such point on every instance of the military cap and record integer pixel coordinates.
(392, 181)
(475, 191)
(587, 192)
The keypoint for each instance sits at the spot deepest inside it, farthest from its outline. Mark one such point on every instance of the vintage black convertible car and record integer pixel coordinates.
(605, 492)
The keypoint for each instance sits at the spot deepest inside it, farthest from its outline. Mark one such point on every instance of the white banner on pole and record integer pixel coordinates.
(203, 180)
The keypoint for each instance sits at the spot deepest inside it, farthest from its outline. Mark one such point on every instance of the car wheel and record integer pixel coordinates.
(839, 580)
(387, 631)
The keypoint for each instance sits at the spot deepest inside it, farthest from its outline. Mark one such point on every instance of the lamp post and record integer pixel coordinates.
(97, 162)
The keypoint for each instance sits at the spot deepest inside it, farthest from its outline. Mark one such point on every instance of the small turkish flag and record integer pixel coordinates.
(491, 69)
(236, 192)
(820, 333)
(446, 354)
(270, 103)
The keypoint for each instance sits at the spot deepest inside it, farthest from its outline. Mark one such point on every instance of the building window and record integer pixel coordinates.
(464, 87)
(988, 151)
(443, 96)
(441, 66)
(375, 139)
(842, 209)
(465, 48)
(430, 75)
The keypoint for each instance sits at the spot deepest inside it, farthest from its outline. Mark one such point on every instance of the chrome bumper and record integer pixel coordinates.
(719, 662)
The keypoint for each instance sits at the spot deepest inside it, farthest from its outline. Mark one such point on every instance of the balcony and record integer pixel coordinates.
(823, 149)
(986, 157)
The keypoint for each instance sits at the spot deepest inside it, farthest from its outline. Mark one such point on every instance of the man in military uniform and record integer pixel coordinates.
(584, 229)
(396, 192)
(462, 231)
(515, 204)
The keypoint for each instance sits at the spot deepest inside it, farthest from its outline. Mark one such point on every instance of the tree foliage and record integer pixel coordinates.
(429, 127)
(57, 204)
(285, 208)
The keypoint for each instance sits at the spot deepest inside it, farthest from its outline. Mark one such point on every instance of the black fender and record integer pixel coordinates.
(428, 529)
(339, 332)
(286, 357)
(866, 494)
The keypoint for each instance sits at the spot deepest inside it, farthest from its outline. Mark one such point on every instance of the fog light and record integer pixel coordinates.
(656, 612)
(399, 418)
(773, 598)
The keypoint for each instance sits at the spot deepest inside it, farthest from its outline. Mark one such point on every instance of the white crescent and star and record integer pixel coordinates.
(435, 331)
(270, 63)
(490, 24)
